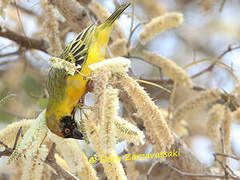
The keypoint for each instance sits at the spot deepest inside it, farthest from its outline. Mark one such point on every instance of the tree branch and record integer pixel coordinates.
(24, 41)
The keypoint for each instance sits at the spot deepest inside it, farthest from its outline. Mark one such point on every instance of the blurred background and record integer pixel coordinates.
(210, 28)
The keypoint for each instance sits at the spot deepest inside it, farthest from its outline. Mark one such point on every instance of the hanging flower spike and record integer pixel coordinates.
(32, 139)
(128, 131)
(71, 68)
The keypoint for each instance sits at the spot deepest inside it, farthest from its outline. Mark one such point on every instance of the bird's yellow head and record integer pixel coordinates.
(64, 127)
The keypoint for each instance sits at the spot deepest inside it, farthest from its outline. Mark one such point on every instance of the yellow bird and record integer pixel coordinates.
(66, 90)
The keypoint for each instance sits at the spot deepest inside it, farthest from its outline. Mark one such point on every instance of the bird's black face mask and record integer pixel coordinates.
(69, 128)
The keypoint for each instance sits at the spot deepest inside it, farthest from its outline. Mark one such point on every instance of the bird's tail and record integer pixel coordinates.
(100, 39)
(116, 14)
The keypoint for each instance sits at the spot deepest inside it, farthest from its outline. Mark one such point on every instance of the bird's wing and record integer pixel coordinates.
(77, 51)
(56, 83)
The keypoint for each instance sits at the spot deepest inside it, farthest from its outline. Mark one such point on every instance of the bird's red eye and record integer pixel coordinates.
(67, 130)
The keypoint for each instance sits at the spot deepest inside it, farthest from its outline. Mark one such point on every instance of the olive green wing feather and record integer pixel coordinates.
(56, 83)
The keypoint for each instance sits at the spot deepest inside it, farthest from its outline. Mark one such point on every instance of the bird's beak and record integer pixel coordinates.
(77, 134)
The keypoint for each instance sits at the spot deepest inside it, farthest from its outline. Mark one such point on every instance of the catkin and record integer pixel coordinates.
(227, 124)
(107, 129)
(51, 24)
(18, 169)
(100, 79)
(208, 4)
(181, 129)
(199, 101)
(59, 63)
(113, 169)
(84, 2)
(153, 8)
(131, 170)
(3, 7)
(104, 139)
(119, 47)
(117, 65)
(47, 175)
(237, 115)
(154, 122)
(76, 15)
(159, 24)
(33, 166)
(61, 162)
(170, 68)
(74, 156)
(215, 117)
(102, 14)
(102, 71)
(107, 132)
(8, 134)
(128, 131)
(32, 139)
(236, 91)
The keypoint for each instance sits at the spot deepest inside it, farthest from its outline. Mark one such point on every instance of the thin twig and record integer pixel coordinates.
(150, 169)
(25, 10)
(222, 139)
(20, 132)
(171, 103)
(222, 6)
(228, 156)
(20, 22)
(168, 83)
(17, 52)
(51, 161)
(130, 37)
(8, 151)
(201, 175)
(229, 49)
(225, 167)
(222, 149)
(222, 165)
(131, 27)
(209, 68)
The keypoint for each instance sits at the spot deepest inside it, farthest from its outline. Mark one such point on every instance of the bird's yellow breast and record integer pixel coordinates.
(75, 89)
